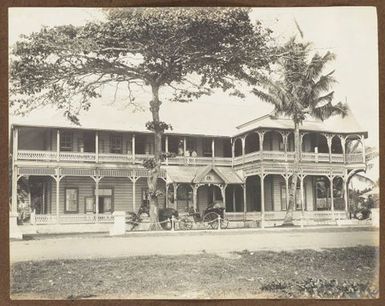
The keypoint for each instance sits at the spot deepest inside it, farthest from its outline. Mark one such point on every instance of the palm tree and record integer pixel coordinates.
(298, 90)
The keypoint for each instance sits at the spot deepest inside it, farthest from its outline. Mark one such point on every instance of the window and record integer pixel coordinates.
(89, 205)
(66, 141)
(207, 149)
(71, 200)
(116, 144)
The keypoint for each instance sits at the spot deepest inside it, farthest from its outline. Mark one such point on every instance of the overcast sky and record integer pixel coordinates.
(349, 32)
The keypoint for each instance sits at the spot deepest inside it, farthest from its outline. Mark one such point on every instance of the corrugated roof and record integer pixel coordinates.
(181, 174)
(195, 118)
(334, 124)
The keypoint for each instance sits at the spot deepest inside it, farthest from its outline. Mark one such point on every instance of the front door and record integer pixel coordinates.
(38, 191)
(105, 204)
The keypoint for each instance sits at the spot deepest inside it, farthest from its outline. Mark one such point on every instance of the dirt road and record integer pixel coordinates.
(189, 243)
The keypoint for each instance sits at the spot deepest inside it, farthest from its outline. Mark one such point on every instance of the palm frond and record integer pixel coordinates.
(317, 64)
(267, 97)
(327, 110)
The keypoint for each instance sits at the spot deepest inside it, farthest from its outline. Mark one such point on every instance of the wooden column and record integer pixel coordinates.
(96, 199)
(57, 179)
(184, 145)
(213, 148)
(329, 139)
(243, 140)
(331, 178)
(133, 148)
(175, 195)
(223, 192)
(57, 144)
(244, 198)
(232, 151)
(284, 138)
(363, 148)
(133, 180)
(97, 146)
(15, 148)
(302, 193)
(262, 199)
(195, 196)
(343, 142)
(261, 135)
(287, 190)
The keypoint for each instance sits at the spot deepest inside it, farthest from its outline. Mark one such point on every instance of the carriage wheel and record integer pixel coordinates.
(165, 225)
(185, 224)
(211, 220)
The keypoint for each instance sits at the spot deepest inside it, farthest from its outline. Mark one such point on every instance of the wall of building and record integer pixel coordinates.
(279, 187)
(122, 192)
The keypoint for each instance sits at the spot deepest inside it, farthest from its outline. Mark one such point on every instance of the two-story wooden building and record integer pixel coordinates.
(80, 175)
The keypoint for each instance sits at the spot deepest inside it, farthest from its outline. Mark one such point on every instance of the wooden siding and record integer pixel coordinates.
(278, 181)
(122, 192)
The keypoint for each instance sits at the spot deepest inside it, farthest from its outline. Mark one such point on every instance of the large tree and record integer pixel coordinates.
(300, 89)
(189, 50)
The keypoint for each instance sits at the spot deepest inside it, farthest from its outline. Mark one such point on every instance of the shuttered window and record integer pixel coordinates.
(71, 200)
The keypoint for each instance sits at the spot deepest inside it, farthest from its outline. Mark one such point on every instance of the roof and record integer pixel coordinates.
(334, 124)
(196, 118)
(216, 117)
(204, 174)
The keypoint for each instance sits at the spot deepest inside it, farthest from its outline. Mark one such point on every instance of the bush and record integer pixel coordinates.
(323, 288)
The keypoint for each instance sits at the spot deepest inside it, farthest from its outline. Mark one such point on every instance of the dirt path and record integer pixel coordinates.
(179, 244)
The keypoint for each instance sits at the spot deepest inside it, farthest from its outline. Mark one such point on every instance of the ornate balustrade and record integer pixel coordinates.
(77, 156)
(274, 155)
(115, 158)
(239, 161)
(36, 155)
(308, 217)
(354, 158)
(43, 219)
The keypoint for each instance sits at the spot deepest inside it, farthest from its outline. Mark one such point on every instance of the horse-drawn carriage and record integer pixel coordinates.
(185, 221)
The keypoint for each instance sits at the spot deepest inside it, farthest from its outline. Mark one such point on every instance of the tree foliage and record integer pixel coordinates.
(300, 89)
(189, 50)
(192, 50)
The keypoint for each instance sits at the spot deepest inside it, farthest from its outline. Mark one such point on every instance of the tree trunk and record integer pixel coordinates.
(288, 221)
(154, 173)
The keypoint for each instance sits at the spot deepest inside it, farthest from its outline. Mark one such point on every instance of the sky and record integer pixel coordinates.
(349, 32)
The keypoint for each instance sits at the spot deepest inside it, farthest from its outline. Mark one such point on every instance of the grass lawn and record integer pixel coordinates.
(330, 273)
